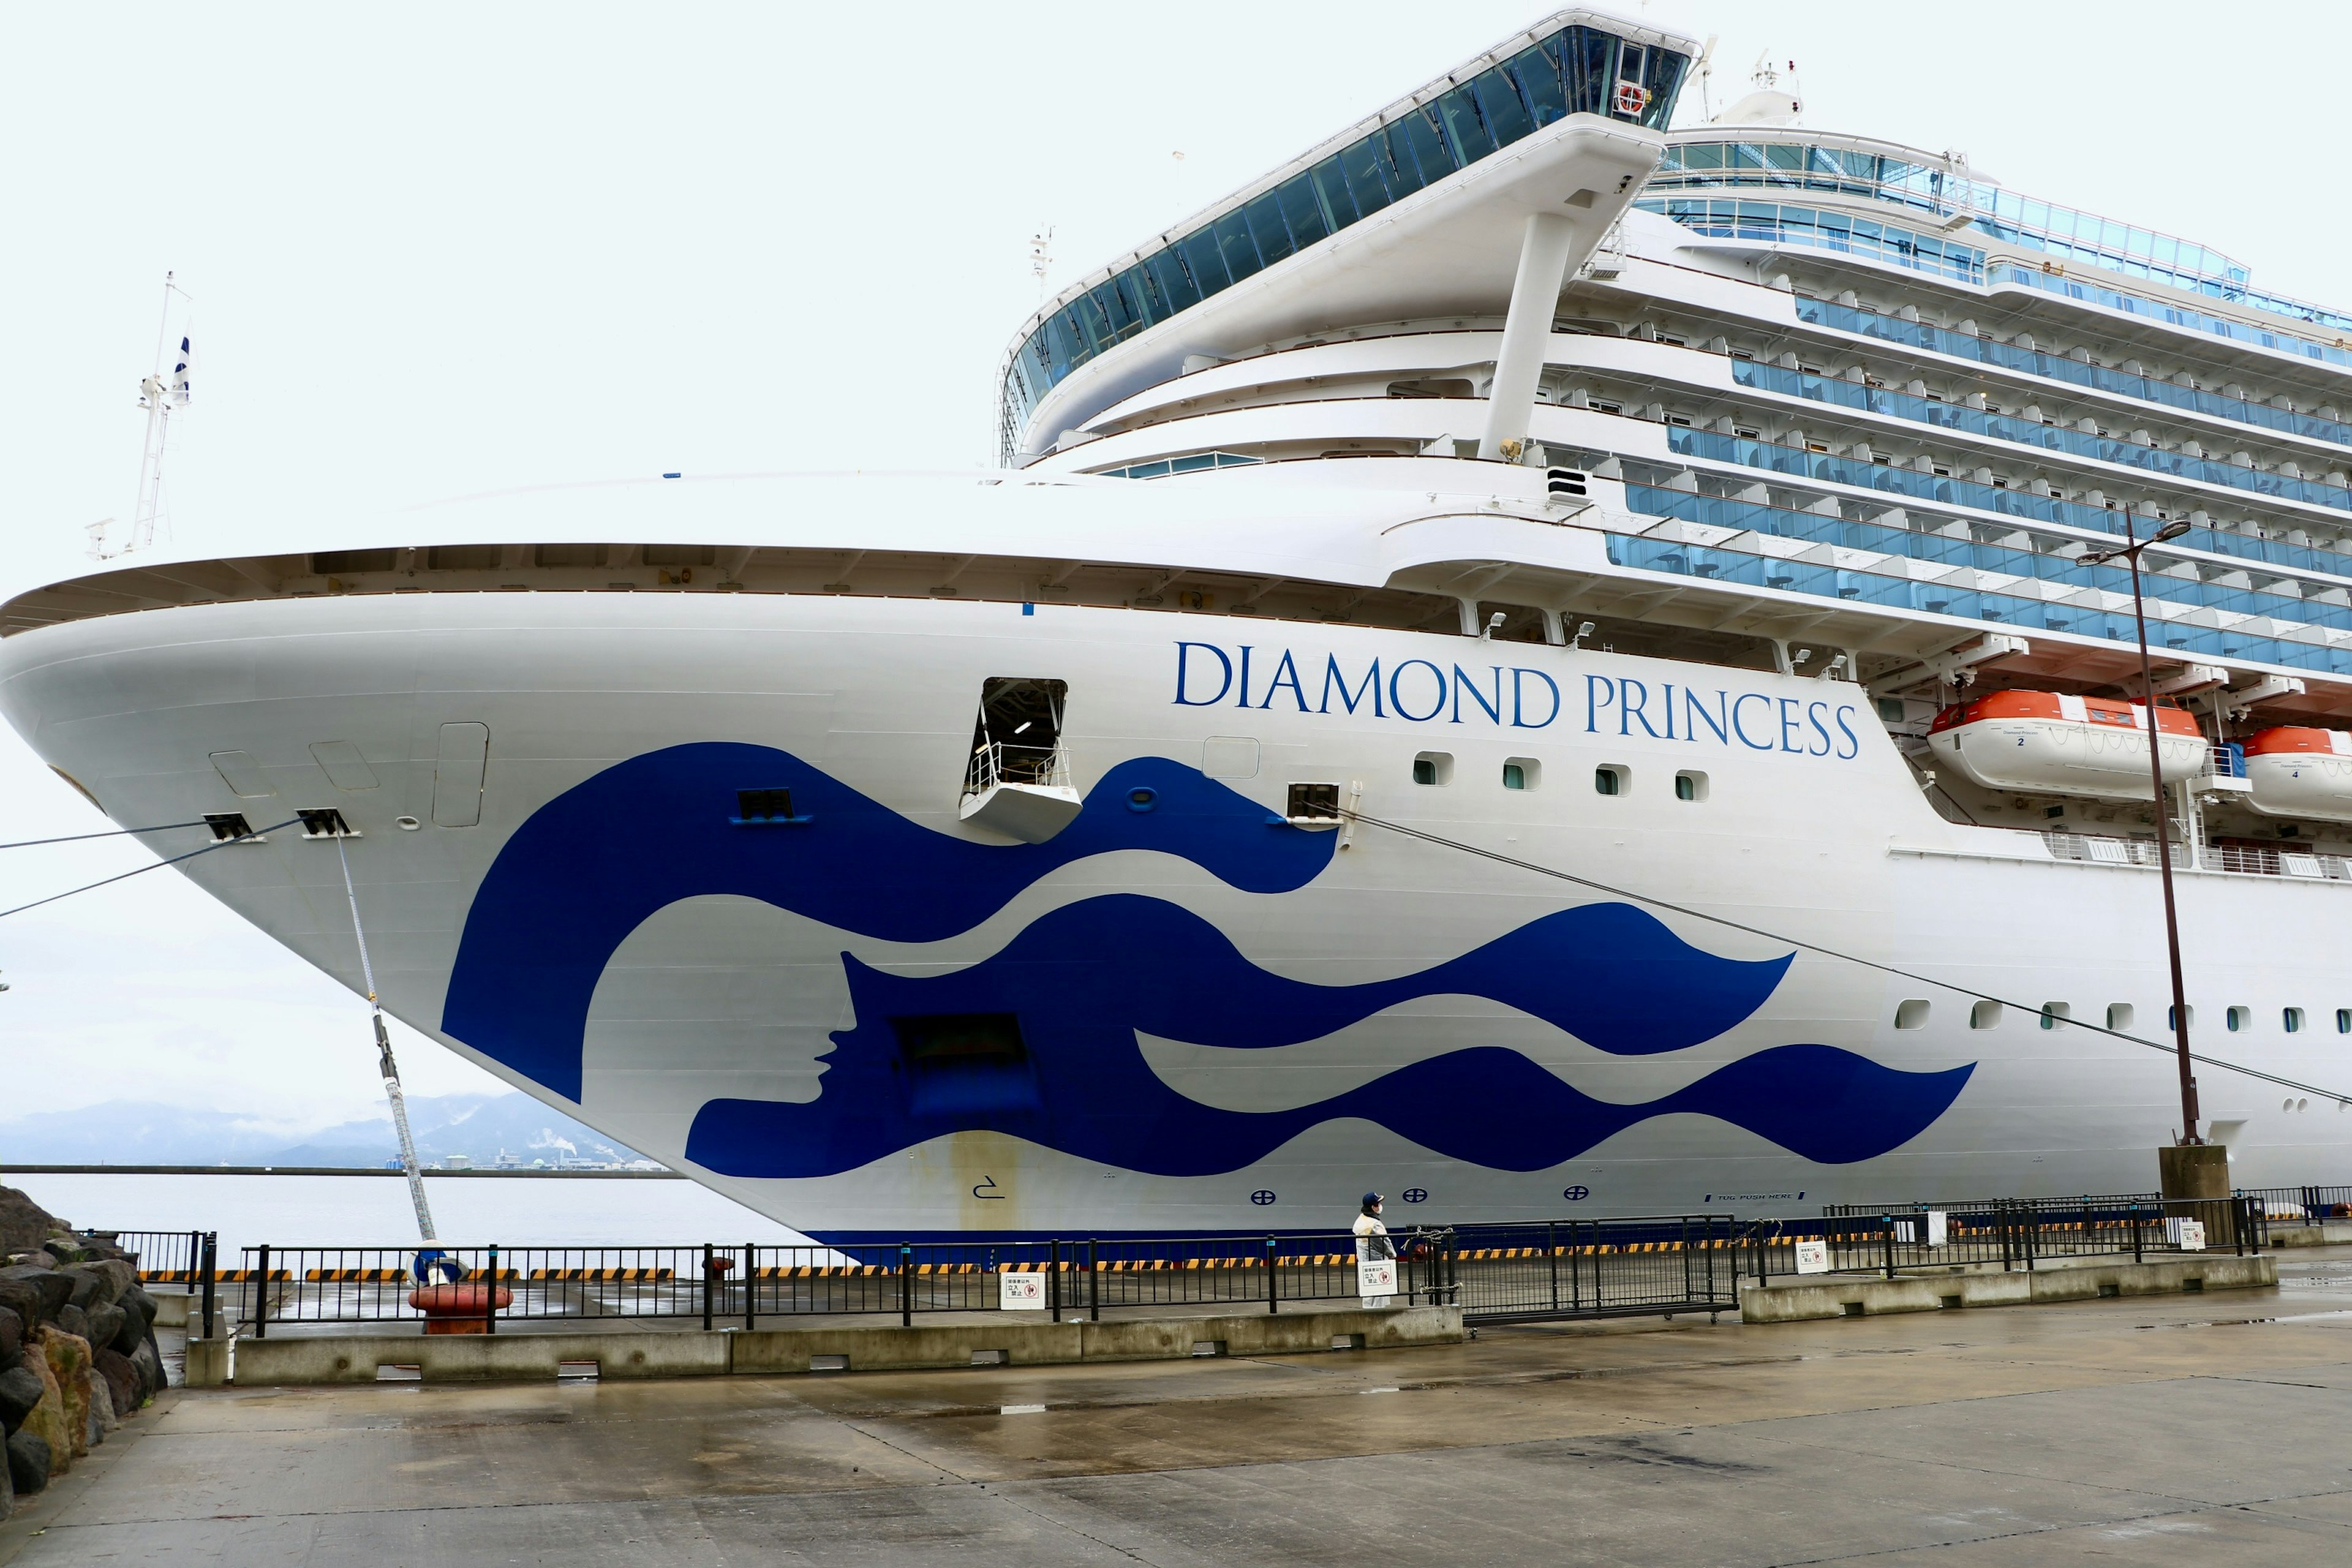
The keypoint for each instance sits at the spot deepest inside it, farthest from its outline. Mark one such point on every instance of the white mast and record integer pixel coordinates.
(161, 393)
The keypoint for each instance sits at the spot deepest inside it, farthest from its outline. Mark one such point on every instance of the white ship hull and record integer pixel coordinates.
(608, 939)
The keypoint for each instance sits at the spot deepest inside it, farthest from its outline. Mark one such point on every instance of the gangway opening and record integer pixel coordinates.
(1018, 780)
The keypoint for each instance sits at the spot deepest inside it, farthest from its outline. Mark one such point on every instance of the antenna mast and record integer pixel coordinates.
(161, 395)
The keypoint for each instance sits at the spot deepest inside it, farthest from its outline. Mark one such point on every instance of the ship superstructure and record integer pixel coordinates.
(1105, 842)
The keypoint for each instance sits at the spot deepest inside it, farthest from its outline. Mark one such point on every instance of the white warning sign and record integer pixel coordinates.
(1021, 1289)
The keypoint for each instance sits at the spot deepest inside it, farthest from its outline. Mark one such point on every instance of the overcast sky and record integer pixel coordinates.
(434, 250)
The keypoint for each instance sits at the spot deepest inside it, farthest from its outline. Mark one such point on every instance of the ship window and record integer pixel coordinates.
(1690, 786)
(1314, 803)
(2189, 1021)
(1911, 1015)
(2238, 1019)
(2343, 1020)
(1890, 710)
(1521, 773)
(2055, 1013)
(2119, 1014)
(1432, 768)
(2292, 1020)
(1611, 781)
(1985, 1015)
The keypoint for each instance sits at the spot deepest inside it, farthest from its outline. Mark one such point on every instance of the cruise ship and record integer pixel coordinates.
(1527, 659)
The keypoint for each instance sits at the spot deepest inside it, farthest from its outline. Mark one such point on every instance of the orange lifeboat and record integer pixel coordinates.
(2048, 743)
(2299, 772)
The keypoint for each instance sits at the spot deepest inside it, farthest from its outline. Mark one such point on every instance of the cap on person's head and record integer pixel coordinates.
(1371, 1198)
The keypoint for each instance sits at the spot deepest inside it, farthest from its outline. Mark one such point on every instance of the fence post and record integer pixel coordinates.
(195, 1250)
(1273, 1279)
(1053, 1278)
(261, 1298)
(2137, 1252)
(906, 1284)
(707, 1277)
(209, 1253)
(1552, 1253)
(751, 1307)
(2000, 1222)
(1094, 1279)
(1686, 1260)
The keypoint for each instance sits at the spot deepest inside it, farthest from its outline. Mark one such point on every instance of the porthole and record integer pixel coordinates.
(2186, 1021)
(1432, 768)
(1912, 1015)
(1521, 773)
(1690, 786)
(2238, 1019)
(2291, 1019)
(1142, 799)
(1985, 1015)
(2343, 1020)
(1611, 781)
(2055, 1013)
(2119, 1014)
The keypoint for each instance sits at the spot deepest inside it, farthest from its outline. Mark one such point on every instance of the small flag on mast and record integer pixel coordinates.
(179, 383)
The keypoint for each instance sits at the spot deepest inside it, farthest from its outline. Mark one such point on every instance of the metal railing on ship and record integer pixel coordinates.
(999, 762)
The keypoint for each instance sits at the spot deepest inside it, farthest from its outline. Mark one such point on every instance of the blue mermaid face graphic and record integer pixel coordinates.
(1040, 1040)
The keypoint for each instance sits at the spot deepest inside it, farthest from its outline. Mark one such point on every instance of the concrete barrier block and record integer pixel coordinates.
(1858, 1296)
(473, 1358)
(207, 1363)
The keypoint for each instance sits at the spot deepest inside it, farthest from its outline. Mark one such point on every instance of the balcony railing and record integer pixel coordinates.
(998, 763)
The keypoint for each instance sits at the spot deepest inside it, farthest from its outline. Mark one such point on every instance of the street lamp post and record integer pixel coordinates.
(2192, 1172)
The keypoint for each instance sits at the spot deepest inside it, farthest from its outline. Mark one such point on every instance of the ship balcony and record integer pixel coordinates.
(1023, 792)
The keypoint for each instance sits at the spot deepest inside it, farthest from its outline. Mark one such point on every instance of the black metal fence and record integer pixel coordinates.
(2303, 1206)
(1591, 1268)
(1562, 1268)
(1495, 1272)
(2015, 1232)
(164, 1257)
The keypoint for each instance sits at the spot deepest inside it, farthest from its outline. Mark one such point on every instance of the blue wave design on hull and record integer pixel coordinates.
(593, 864)
(1084, 979)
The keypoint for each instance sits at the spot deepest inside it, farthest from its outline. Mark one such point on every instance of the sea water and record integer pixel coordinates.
(375, 1211)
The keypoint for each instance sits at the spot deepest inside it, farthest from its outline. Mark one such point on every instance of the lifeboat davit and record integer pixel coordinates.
(2048, 743)
(2298, 772)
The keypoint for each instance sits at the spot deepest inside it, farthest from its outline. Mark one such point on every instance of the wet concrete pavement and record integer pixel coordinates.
(2146, 1431)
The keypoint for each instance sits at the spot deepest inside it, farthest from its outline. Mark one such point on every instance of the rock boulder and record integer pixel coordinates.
(20, 1389)
(34, 1293)
(120, 1375)
(30, 1463)
(23, 1223)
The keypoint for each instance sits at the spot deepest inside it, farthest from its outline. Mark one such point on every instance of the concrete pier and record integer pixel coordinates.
(953, 1341)
(2187, 1428)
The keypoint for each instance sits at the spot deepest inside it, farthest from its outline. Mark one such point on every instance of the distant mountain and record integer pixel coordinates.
(136, 1132)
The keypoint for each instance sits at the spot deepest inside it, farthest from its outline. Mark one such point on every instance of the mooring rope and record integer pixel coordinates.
(1512, 860)
(245, 838)
(110, 833)
(384, 1063)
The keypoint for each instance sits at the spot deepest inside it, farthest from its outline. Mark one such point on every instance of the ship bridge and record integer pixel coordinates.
(1496, 177)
